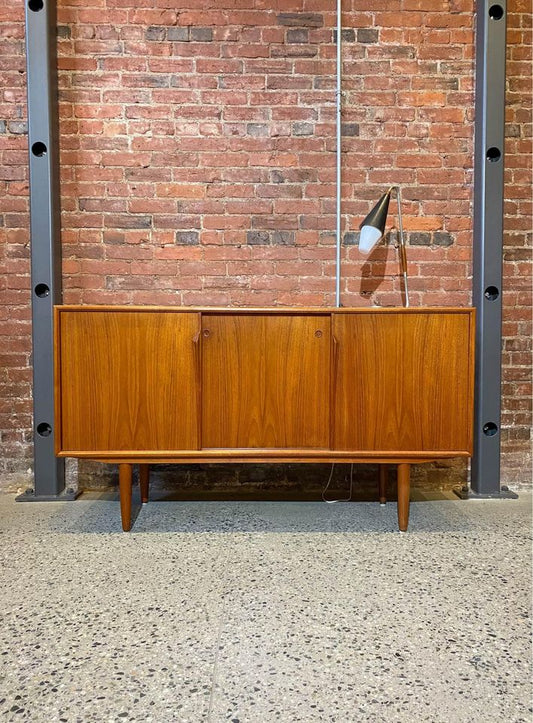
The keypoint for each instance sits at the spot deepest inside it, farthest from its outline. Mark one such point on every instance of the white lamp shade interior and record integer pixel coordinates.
(368, 238)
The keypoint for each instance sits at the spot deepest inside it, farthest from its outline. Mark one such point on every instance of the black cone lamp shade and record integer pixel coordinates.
(373, 226)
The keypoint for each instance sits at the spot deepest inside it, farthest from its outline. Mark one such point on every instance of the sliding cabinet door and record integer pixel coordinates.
(403, 381)
(129, 380)
(265, 381)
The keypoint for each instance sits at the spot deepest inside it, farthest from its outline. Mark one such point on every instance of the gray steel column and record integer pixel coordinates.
(488, 242)
(49, 472)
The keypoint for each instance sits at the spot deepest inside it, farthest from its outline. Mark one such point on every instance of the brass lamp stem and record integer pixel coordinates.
(402, 252)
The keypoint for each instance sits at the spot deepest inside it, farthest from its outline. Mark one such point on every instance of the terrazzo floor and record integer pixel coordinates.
(263, 612)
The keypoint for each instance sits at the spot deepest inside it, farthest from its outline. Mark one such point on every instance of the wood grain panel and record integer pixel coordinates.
(265, 381)
(403, 382)
(128, 381)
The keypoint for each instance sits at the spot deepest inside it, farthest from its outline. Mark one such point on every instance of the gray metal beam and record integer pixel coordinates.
(488, 242)
(41, 64)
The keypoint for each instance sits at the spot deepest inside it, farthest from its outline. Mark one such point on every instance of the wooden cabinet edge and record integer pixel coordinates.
(472, 360)
(57, 382)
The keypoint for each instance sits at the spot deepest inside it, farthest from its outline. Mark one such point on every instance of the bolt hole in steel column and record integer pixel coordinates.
(35, 5)
(495, 12)
(44, 429)
(39, 149)
(491, 293)
(490, 429)
(494, 154)
(42, 291)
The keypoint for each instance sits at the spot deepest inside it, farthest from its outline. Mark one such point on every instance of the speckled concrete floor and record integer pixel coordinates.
(260, 612)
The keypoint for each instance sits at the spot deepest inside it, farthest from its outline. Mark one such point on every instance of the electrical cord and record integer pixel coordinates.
(343, 499)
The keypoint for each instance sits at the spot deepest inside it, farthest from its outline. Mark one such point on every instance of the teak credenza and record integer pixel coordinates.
(141, 385)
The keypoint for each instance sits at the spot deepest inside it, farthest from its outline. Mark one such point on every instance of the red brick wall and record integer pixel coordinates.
(15, 325)
(198, 166)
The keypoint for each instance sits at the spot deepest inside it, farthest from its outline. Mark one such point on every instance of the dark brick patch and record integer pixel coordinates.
(283, 238)
(367, 35)
(392, 237)
(419, 238)
(63, 31)
(178, 34)
(113, 237)
(442, 238)
(323, 82)
(294, 51)
(301, 20)
(3, 126)
(153, 80)
(301, 128)
(347, 35)
(258, 130)
(155, 32)
(18, 128)
(452, 84)
(351, 238)
(202, 35)
(350, 129)
(298, 35)
(127, 220)
(258, 238)
(426, 238)
(187, 238)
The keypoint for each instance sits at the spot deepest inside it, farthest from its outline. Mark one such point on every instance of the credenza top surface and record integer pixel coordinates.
(271, 309)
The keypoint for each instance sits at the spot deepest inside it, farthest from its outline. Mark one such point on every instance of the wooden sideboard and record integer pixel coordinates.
(142, 385)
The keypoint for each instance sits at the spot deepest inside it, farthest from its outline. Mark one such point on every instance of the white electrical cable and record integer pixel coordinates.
(343, 499)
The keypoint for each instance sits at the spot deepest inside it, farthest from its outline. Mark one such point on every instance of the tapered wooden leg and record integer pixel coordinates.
(124, 485)
(404, 485)
(144, 481)
(383, 477)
